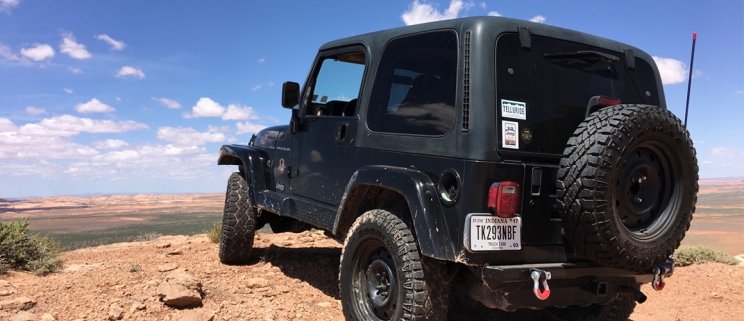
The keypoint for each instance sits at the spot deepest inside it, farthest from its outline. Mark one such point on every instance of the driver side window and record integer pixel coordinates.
(336, 86)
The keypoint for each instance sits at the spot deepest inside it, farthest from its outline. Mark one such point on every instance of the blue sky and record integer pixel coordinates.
(137, 96)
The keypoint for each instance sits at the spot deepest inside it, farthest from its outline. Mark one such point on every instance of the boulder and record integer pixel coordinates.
(17, 304)
(167, 267)
(197, 315)
(180, 289)
(24, 316)
(115, 312)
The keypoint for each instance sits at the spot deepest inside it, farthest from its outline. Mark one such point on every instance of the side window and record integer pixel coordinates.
(415, 87)
(336, 86)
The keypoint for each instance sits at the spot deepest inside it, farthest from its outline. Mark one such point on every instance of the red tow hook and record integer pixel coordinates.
(536, 276)
(658, 281)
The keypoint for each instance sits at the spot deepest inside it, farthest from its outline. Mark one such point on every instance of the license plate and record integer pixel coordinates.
(493, 233)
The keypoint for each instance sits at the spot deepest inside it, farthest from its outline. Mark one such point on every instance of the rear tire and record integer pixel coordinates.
(384, 277)
(238, 223)
(627, 186)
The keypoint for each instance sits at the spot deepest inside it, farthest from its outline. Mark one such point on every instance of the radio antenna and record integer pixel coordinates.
(689, 80)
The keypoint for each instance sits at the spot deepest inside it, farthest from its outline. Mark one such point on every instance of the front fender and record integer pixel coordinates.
(251, 160)
(420, 193)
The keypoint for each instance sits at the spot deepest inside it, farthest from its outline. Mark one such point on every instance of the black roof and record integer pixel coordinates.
(489, 27)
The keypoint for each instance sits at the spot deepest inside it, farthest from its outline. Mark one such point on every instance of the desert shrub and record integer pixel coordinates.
(134, 268)
(215, 232)
(22, 251)
(700, 254)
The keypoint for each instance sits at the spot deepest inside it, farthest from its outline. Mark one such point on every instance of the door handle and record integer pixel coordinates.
(341, 133)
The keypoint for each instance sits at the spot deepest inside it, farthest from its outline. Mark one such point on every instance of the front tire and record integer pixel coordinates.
(383, 275)
(238, 222)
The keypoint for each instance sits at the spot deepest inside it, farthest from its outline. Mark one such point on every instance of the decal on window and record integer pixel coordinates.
(513, 109)
(509, 134)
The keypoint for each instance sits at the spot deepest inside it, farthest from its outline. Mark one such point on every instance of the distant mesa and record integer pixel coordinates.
(2, 200)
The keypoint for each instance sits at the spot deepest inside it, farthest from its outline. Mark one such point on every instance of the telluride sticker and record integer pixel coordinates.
(513, 109)
(509, 134)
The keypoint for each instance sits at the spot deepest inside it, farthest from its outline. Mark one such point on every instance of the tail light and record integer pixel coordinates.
(503, 198)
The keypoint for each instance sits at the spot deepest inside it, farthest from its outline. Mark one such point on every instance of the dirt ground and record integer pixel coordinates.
(292, 277)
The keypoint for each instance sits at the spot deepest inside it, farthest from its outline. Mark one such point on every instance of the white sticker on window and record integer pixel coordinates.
(513, 109)
(509, 130)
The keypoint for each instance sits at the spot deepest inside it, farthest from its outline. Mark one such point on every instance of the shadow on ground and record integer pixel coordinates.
(319, 268)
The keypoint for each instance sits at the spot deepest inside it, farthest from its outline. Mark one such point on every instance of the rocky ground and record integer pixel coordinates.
(292, 277)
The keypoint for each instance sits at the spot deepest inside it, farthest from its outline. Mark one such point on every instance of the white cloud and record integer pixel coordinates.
(422, 12)
(7, 126)
(494, 14)
(68, 125)
(67, 90)
(6, 5)
(218, 129)
(271, 83)
(538, 19)
(707, 162)
(33, 111)
(739, 92)
(115, 45)
(93, 106)
(75, 70)
(725, 152)
(171, 104)
(672, 71)
(236, 112)
(482, 5)
(256, 87)
(248, 127)
(188, 136)
(130, 71)
(72, 48)
(110, 144)
(7, 54)
(261, 61)
(38, 53)
(206, 107)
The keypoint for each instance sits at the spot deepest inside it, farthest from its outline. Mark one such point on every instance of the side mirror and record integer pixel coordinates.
(290, 94)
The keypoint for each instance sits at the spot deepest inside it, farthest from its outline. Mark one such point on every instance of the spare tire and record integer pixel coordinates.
(627, 186)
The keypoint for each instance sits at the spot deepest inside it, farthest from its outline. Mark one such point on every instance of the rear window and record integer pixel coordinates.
(554, 86)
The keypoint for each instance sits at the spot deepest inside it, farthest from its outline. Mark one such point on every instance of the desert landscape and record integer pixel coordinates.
(157, 241)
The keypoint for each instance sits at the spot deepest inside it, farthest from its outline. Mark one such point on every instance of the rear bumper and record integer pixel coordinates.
(582, 283)
(495, 275)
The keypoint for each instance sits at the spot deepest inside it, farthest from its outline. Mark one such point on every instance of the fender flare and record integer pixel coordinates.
(420, 193)
(251, 160)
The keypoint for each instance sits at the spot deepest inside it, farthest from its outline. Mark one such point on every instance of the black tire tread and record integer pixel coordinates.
(425, 298)
(238, 223)
(582, 182)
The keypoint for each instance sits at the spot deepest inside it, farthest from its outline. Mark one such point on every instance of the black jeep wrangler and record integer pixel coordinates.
(527, 165)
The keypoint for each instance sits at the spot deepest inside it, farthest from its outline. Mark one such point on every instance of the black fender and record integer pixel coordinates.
(251, 160)
(419, 192)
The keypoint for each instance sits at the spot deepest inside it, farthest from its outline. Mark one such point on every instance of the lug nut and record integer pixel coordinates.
(638, 200)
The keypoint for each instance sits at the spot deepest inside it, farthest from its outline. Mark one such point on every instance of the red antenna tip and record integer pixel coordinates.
(694, 35)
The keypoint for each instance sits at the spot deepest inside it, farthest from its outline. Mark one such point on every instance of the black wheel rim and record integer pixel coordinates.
(647, 190)
(375, 281)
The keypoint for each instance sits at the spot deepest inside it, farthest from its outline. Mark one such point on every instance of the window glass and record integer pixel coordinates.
(555, 84)
(336, 86)
(415, 86)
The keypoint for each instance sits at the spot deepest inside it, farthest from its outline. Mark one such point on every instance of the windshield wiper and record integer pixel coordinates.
(585, 55)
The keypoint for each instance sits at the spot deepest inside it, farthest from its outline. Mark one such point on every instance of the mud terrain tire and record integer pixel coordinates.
(238, 223)
(383, 275)
(627, 186)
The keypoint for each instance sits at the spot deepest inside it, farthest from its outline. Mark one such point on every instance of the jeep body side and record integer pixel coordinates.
(359, 141)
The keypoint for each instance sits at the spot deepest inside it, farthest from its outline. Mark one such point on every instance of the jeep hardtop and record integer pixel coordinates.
(522, 164)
